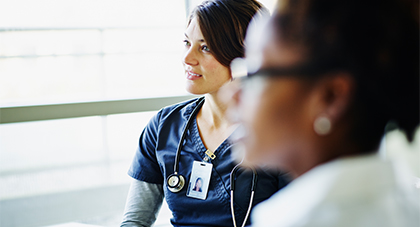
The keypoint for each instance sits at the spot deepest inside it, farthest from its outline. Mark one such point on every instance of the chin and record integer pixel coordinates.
(252, 157)
(194, 91)
(267, 159)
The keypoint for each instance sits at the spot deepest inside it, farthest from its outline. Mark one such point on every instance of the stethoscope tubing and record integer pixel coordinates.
(232, 190)
(232, 174)
(184, 133)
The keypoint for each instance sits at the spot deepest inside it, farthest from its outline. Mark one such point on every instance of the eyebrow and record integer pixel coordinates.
(201, 40)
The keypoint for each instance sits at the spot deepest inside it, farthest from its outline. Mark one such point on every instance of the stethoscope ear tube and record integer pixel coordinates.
(176, 181)
(233, 174)
(232, 177)
(232, 189)
(254, 180)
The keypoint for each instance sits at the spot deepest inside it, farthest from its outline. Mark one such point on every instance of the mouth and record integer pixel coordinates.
(193, 76)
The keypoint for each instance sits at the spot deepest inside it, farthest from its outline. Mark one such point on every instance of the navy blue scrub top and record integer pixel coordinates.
(154, 162)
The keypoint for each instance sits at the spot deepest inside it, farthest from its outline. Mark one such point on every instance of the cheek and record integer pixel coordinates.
(274, 120)
(255, 115)
(215, 70)
(263, 133)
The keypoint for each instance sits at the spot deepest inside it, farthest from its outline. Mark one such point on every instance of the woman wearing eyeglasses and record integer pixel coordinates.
(325, 78)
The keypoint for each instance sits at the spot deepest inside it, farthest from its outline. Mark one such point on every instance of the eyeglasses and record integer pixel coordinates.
(297, 71)
(303, 70)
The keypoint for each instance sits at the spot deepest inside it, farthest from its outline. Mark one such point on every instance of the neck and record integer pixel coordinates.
(214, 111)
(326, 149)
(212, 123)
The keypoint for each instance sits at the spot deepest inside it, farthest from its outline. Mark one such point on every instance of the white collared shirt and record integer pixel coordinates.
(359, 191)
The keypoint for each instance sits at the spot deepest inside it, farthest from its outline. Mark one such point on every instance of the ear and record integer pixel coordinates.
(333, 96)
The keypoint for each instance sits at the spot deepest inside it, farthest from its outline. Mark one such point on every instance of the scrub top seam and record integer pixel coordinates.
(201, 149)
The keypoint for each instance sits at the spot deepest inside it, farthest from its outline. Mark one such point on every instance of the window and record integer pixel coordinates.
(75, 51)
(79, 79)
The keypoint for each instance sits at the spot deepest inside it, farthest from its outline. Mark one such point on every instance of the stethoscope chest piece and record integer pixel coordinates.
(175, 182)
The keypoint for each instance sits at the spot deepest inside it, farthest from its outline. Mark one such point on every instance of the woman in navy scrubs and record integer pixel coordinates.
(213, 38)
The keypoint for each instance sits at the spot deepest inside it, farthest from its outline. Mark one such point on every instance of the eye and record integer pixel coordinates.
(205, 48)
(187, 43)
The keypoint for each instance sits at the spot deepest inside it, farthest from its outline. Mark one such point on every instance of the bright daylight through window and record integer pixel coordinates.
(71, 51)
(62, 54)
(79, 80)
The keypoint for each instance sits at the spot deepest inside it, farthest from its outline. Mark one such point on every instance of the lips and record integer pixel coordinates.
(193, 76)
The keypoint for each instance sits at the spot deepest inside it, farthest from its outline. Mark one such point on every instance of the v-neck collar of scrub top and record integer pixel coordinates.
(195, 134)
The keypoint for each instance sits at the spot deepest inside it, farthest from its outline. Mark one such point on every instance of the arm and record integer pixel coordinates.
(143, 204)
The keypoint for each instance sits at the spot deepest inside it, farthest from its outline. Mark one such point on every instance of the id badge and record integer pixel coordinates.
(199, 180)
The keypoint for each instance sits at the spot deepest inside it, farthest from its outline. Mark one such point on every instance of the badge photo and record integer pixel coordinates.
(199, 180)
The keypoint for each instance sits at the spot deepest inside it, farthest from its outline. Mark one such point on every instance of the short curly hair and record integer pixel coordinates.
(377, 42)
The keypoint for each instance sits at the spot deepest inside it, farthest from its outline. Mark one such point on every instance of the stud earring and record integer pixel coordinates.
(322, 126)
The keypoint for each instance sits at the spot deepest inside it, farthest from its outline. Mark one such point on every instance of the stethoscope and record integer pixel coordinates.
(232, 189)
(176, 181)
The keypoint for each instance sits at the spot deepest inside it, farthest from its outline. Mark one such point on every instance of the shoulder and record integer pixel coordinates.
(181, 106)
(168, 118)
(347, 186)
(179, 110)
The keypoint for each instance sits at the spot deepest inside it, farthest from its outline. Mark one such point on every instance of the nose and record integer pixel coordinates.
(190, 57)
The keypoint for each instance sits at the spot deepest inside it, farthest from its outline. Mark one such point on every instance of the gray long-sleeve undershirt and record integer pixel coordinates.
(143, 203)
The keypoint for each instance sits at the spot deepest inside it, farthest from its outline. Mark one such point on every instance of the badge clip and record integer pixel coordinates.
(210, 154)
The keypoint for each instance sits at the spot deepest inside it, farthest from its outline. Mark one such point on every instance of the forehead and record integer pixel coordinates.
(266, 49)
(193, 30)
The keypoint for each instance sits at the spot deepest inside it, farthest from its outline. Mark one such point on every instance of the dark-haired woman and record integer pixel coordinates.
(198, 184)
(326, 78)
(214, 36)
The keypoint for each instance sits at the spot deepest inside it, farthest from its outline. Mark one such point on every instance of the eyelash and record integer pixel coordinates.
(187, 43)
(204, 48)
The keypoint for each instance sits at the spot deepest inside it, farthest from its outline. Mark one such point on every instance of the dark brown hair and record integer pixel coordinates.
(377, 42)
(224, 24)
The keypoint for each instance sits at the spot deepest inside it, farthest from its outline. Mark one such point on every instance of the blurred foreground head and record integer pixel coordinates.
(326, 77)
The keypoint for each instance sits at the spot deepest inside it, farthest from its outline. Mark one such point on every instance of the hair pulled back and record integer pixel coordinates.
(377, 42)
(224, 24)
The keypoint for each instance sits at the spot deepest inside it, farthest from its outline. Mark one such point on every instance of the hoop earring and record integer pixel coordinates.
(322, 126)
